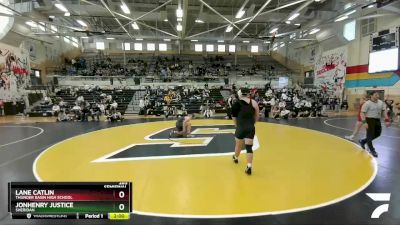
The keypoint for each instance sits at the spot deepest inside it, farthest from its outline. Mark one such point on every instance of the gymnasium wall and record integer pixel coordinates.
(45, 52)
(358, 80)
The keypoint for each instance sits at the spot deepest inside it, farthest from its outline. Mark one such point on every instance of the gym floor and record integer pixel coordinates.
(301, 176)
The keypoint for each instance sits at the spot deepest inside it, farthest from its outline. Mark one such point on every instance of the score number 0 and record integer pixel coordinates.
(121, 206)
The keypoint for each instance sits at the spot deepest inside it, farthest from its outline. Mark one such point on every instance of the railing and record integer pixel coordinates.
(157, 81)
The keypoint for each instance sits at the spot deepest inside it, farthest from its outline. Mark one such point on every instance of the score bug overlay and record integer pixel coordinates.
(70, 200)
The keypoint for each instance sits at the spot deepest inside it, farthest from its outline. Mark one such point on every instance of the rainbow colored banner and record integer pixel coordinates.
(358, 76)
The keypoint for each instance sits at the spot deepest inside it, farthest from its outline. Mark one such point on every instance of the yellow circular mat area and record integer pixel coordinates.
(294, 169)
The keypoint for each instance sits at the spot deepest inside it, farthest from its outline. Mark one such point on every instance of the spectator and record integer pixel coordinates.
(55, 109)
(275, 112)
(1, 107)
(285, 113)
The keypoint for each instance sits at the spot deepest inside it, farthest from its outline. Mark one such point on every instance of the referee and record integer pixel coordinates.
(371, 113)
(245, 113)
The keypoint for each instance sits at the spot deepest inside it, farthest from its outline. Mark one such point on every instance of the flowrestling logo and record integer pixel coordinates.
(380, 197)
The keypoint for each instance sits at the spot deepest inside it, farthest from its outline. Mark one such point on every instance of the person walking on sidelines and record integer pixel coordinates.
(359, 123)
(371, 114)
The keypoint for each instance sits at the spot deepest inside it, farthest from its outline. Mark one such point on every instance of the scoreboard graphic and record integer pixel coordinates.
(61, 200)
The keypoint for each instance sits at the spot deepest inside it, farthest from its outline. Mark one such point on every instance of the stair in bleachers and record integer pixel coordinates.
(133, 106)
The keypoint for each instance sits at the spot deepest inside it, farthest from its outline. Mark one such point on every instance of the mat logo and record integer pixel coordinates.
(205, 141)
(379, 197)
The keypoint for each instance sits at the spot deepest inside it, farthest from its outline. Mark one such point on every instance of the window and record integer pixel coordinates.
(349, 30)
(138, 47)
(126, 46)
(162, 47)
(254, 48)
(151, 47)
(100, 45)
(75, 40)
(209, 48)
(368, 26)
(6, 23)
(221, 48)
(232, 48)
(348, 5)
(66, 39)
(198, 47)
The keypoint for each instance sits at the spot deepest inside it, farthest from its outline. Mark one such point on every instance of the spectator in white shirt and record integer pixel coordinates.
(282, 105)
(55, 109)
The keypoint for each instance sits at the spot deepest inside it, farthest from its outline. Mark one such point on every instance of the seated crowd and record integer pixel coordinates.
(162, 66)
(179, 101)
(81, 109)
(288, 103)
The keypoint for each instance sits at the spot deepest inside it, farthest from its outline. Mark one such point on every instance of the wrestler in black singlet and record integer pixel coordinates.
(244, 113)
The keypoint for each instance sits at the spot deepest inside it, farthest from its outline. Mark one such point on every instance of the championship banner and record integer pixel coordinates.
(330, 71)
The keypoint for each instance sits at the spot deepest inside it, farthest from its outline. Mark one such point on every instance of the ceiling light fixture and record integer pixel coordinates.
(179, 27)
(229, 29)
(110, 38)
(125, 8)
(139, 39)
(135, 26)
(297, 24)
(199, 21)
(220, 41)
(179, 19)
(83, 24)
(240, 14)
(341, 18)
(167, 39)
(53, 29)
(316, 30)
(61, 7)
(273, 30)
(165, 20)
(194, 40)
(42, 26)
(179, 13)
(371, 6)
(246, 41)
(287, 22)
(67, 14)
(84, 37)
(351, 12)
(31, 23)
(292, 17)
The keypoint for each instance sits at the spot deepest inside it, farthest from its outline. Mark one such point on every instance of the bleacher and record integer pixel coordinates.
(122, 97)
(192, 104)
(40, 111)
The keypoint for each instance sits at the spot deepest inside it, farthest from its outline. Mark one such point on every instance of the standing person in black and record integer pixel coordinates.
(245, 113)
